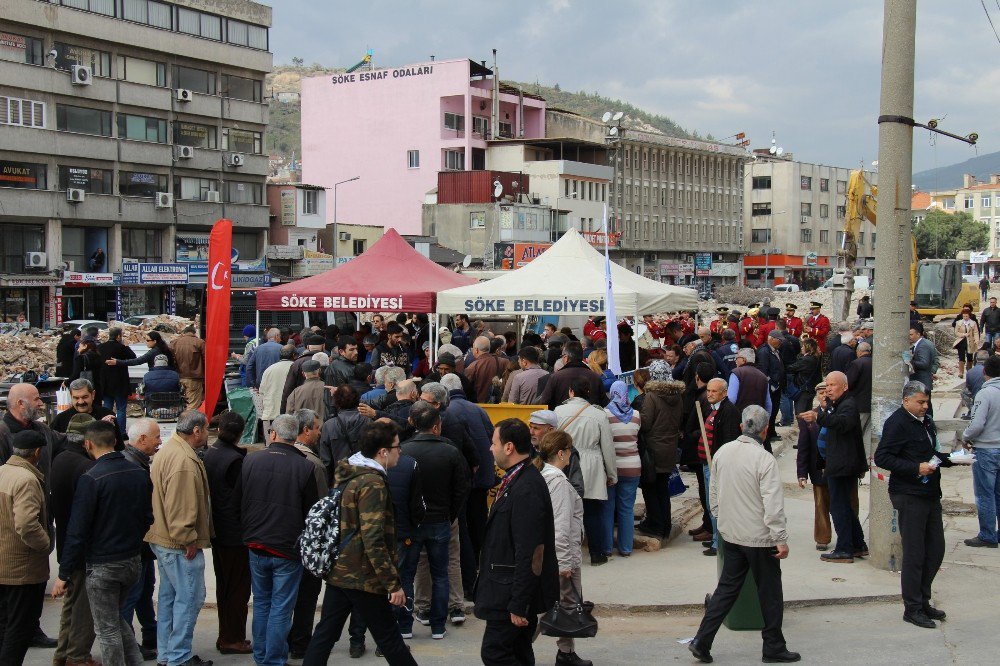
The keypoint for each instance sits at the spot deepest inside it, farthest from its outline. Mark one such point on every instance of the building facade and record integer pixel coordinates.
(128, 127)
(395, 129)
(793, 222)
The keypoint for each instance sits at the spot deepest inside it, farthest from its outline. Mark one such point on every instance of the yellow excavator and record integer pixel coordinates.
(935, 284)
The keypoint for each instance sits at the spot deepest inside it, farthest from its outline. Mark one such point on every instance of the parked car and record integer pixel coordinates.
(787, 288)
(86, 323)
(860, 282)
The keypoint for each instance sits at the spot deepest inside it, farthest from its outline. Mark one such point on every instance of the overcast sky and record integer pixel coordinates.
(808, 71)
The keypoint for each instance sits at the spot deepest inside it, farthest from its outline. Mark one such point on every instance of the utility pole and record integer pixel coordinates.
(895, 162)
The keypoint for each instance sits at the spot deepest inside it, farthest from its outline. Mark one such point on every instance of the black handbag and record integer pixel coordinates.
(573, 622)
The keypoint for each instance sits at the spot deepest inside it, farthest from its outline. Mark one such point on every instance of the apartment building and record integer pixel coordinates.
(793, 220)
(129, 127)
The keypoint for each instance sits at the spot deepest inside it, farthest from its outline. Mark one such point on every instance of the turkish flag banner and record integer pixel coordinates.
(219, 290)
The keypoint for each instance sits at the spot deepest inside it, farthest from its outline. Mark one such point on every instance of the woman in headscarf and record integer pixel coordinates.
(660, 429)
(621, 497)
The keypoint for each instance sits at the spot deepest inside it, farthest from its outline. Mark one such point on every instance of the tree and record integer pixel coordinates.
(942, 235)
(297, 62)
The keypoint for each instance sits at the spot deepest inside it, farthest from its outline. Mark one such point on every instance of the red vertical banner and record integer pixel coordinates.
(219, 288)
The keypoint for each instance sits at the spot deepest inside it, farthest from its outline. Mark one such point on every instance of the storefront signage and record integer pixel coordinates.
(979, 257)
(189, 134)
(13, 47)
(535, 305)
(811, 259)
(670, 268)
(74, 279)
(649, 272)
(596, 238)
(380, 74)
(251, 280)
(307, 267)
(192, 248)
(153, 274)
(78, 178)
(33, 281)
(703, 264)
(22, 174)
(288, 208)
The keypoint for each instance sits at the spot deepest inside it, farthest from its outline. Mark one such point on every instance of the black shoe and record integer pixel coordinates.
(147, 654)
(701, 654)
(456, 616)
(706, 544)
(296, 656)
(422, 617)
(197, 661)
(571, 658)
(40, 640)
(785, 657)
(598, 560)
(974, 542)
(357, 650)
(838, 557)
(710, 552)
(920, 619)
(934, 613)
(861, 553)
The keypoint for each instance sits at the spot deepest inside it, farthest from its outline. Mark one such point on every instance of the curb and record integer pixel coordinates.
(699, 608)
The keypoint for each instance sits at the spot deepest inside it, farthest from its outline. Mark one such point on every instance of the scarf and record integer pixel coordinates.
(659, 371)
(619, 405)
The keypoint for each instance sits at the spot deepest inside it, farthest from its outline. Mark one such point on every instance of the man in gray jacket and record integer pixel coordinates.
(747, 498)
(984, 435)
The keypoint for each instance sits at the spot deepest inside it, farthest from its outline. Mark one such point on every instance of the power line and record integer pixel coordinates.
(990, 18)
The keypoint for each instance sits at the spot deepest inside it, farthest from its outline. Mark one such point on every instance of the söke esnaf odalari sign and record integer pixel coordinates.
(381, 74)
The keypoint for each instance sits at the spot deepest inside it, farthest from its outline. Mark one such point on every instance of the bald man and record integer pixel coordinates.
(841, 438)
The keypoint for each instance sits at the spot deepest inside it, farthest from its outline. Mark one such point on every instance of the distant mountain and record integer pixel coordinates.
(284, 130)
(950, 177)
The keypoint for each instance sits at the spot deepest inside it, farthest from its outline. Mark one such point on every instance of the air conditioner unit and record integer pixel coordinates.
(185, 152)
(164, 200)
(184, 95)
(75, 196)
(344, 236)
(805, 219)
(213, 196)
(81, 75)
(35, 260)
(235, 159)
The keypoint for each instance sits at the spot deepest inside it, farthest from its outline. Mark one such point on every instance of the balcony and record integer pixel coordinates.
(50, 204)
(249, 215)
(145, 152)
(148, 97)
(60, 144)
(244, 111)
(205, 213)
(54, 81)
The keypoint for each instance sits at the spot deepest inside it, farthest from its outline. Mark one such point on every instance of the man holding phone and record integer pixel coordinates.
(747, 499)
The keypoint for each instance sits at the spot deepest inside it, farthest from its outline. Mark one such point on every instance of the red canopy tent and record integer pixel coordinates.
(389, 277)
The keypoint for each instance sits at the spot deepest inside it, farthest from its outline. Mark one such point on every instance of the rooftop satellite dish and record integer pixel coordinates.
(606, 117)
(613, 131)
(773, 149)
(618, 116)
(497, 189)
(514, 184)
(467, 261)
(779, 151)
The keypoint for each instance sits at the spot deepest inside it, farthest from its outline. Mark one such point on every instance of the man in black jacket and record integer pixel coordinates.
(769, 362)
(66, 350)
(115, 384)
(341, 368)
(557, 387)
(83, 397)
(444, 477)
(112, 509)
(859, 379)
(840, 429)
(989, 322)
(518, 576)
(278, 488)
(908, 450)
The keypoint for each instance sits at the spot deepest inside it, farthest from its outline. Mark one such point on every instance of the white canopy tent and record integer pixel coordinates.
(567, 279)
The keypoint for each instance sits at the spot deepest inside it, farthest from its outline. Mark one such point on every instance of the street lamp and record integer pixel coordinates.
(555, 227)
(336, 238)
(613, 123)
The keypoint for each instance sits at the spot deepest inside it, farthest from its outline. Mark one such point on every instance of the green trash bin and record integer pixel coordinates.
(241, 401)
(745, 614)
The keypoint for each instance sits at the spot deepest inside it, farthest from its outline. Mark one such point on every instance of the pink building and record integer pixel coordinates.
(397, 128)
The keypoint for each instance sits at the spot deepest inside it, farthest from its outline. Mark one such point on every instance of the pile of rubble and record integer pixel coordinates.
(34, 349)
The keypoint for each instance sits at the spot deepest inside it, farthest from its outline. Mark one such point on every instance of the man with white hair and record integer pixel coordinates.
(483, 370)
(748, 501)
(748, 385)
(263, 357)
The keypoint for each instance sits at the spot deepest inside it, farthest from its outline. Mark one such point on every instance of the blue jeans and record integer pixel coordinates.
(275, 585)
(786, 408)
(620, 506)
(435, 537)
(707, 470)
(407, 555)
(850, 536)
(594, 518)
(182, 593)
(986, 483)
(118, 403)
(140, 602)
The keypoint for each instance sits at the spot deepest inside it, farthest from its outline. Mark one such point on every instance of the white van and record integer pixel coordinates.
(787, 288)
(860, 282)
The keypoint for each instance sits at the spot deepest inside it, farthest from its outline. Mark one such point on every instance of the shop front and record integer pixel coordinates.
(27, 300)
(808, 271)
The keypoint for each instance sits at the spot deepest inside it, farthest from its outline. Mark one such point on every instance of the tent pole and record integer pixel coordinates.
(635, 342)
(357, 321)
(434, 338)
(257, 323)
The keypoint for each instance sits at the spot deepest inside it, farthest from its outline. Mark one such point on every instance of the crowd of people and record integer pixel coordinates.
(439, 506)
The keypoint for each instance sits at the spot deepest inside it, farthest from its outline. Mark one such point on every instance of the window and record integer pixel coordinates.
(841, 187)
(454, 121)
(246, 244)
(95, 181)
(873, 240)
(83, 120)
(309, 199)
(824, 184)
(18, 48)
(760, 235)
(245, 34)
(68, 55)
(106, 7)
(454, 160)
(505, 129)
(191, 134)
(986, 201)
(805, 182)
(477, 220)
(413, 159)
(761, 182)
(359, 246)
(194, 189)
(242, 141)
(806, 209)
(139, 184)
(23, 175)
(824, 236)
(198, 24)
(141, 128)
(824, 210)
(149, 12)
(861, 238)
(15, 240)
(142, 245)
(243, 193)
(239, 87)
(949, 203)
(840, 239)
(24, 112)
(197, 80)
(805, 235)
(142, 71)
(970, 201)
(763, 208)
(841, 212)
